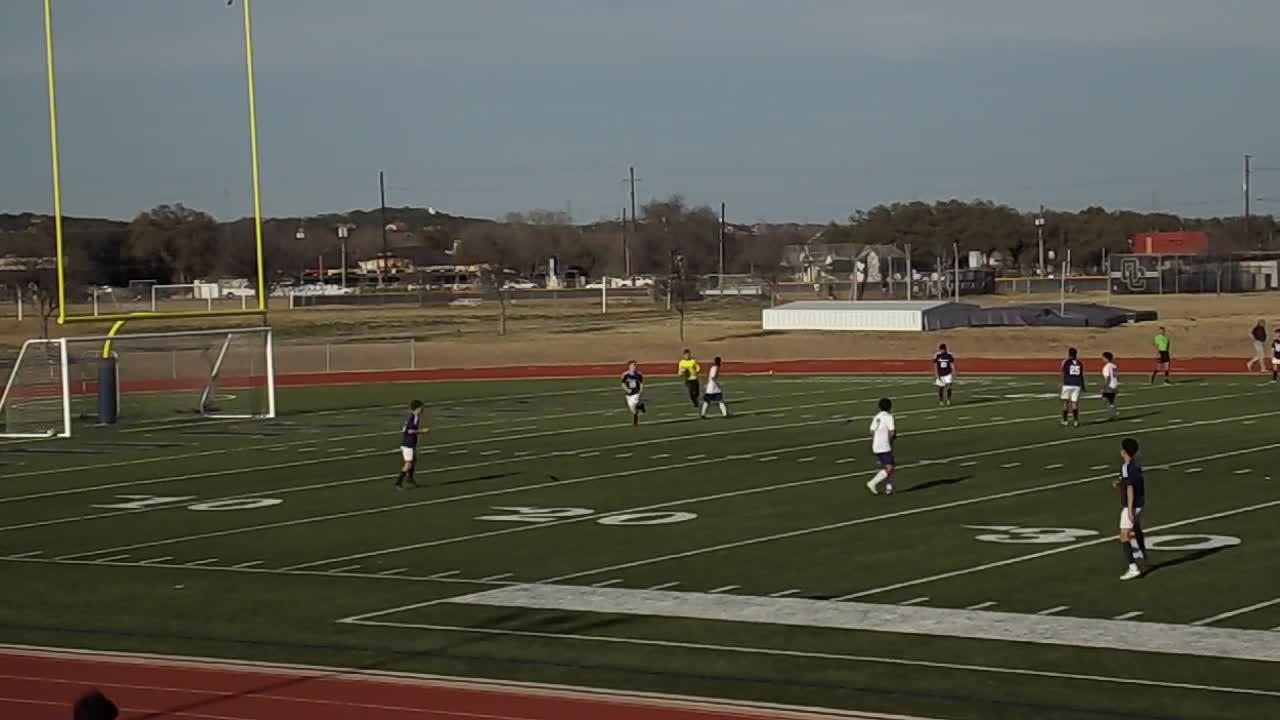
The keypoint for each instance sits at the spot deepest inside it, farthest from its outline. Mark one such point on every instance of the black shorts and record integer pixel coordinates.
(713, 397)
(1164, 357)
(1109, 395)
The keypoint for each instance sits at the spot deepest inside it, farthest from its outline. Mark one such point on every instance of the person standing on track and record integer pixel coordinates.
(93, 705)
(688, 370)
(1162, 356)
(1259, 335)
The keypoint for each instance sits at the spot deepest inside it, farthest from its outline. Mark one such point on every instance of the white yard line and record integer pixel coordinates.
(725, 589)
(915, 601)
(244, 565)
(784, 593)
(1128, 615)
(893, 515)
(1054, 610)
(1238, 611)
(1066, 548)
(396, 571)
(982, 605)
(1006, 672)
(664, 586)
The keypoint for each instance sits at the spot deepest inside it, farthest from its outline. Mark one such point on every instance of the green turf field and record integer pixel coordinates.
(738, 557)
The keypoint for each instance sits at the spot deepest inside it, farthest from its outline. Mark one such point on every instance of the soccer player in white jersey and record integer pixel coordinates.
(713, 393)
(1110, 384)
(883, 431)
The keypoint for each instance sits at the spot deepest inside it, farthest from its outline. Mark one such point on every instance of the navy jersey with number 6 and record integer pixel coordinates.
(1131, 477)
(944, 364)
(1072, 373)
(409, 434)
(632, 381)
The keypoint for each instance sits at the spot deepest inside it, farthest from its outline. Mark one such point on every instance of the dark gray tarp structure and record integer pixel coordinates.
(953, 315)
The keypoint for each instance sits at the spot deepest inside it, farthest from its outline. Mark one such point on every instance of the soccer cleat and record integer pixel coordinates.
(1064, 423)
(1075, 423)
(1131, 574)
(871, 485)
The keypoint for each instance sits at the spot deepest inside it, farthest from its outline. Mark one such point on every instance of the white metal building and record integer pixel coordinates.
(855, 315)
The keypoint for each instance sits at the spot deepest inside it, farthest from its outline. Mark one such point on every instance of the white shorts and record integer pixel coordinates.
(633, 401)
(1071, 393)
(943, 380)
(408, 453)
(1125, 522)
(1275, 362)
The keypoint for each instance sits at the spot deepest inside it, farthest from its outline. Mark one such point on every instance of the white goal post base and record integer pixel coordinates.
(226, 374)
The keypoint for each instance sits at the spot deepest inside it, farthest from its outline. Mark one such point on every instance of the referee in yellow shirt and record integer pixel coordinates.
(688, 370)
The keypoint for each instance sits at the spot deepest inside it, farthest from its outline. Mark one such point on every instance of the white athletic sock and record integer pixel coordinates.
(879, 478)
(704, 410)
(724, 410)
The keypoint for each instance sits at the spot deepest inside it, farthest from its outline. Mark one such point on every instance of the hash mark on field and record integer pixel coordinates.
(806, 459)
(156, 560)
(205, 561)
(964, 417)
(33, 553)
(996, 418)
(807, 417)
(661, 456)
(785, 593)
(593, 453)
(931, 417)
(1192, 471)
(345, 568)
(842, 461)
(514, 429)
(969, 463)
(519, 453)
(306, 449)
(768, 458)
(607, 583)
(914, 601)
(621, 456)
(1054, 610)
(981, 605)
(726, 588)
(1238, 611)
(459, 452)
(1242, 471)
(1011, 465)
(246, 565)
(396, 571)
(336, 450)
(437, 576)
(499, 576)
(1055, 466)
(113, 558)
(1248, 422)
(695, 457)
(1128, 615)
(491, 452)
(1098, 467)
(664, 586)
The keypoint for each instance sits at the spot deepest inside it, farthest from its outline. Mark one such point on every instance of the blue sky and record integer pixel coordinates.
(798, 110)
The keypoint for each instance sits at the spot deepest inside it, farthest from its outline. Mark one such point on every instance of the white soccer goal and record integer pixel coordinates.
(157, 377)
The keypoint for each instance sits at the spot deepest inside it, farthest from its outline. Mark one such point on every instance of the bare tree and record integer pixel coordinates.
(492, 248)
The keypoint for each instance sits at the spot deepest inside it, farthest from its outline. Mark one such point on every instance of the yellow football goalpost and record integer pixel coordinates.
(65, 317)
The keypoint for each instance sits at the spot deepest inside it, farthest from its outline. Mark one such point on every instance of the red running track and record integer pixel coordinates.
(43, 684)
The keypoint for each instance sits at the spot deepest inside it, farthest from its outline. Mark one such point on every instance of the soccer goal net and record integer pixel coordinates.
(58, 383)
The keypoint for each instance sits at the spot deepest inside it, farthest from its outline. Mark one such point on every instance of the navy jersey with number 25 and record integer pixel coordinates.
(944, 363)
(632, 381)
(1073, 373)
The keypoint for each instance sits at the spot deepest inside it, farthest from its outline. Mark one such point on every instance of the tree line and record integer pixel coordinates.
(177, 244)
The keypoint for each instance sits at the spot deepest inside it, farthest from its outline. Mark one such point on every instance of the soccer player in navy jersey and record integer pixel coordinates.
(632, 386)
(1072, 386)
(944, 367)
(1133, 496)
(409, 445)
(1275, 357)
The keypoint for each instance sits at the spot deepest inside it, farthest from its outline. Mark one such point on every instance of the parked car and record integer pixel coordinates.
(520, 284)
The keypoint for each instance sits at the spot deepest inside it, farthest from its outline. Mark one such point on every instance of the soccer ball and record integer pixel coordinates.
(770, 372)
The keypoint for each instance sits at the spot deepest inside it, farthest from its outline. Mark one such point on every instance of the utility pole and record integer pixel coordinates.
(1247, 173)
(1040, 238)
(631, 180)
(626, 246)
(382, 195)
(722, 224)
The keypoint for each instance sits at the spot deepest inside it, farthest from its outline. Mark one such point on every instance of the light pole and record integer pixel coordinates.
(1040, 238)
(344, 232)
(301, 236)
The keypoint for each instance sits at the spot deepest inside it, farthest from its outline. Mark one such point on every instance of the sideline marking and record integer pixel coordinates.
(1239, 611)
(1160, 638)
